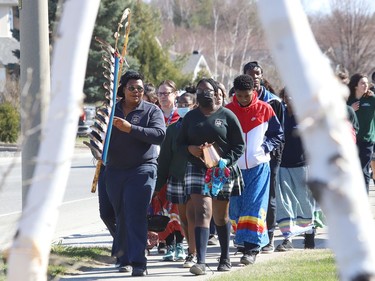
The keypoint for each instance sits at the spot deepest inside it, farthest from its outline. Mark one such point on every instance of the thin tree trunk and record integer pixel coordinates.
(336, 178)
(29, 254)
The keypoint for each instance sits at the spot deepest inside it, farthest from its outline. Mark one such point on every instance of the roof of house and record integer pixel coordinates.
(7, 45)
(196, 60)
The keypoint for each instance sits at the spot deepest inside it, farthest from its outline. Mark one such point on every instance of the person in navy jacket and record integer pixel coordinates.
(138, 129)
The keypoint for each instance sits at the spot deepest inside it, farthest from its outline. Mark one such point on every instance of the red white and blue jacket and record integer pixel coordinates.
(261, 130)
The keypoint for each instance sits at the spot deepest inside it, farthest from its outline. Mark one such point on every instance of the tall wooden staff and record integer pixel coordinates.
(112, 63)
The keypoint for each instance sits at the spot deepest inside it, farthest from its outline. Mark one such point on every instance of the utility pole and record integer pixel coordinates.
(35, 58)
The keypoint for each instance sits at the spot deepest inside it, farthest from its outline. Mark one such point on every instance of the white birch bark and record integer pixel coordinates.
(335, 176)
(29, 254)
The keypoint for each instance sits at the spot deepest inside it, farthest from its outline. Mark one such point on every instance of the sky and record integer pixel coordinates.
(323, 5)
(316, 5)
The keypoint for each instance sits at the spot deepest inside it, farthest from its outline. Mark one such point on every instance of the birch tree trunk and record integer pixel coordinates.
(336, 179)
(29, 254)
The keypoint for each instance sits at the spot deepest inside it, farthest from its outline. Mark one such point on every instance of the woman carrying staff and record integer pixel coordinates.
(138, 130)
(211, 123)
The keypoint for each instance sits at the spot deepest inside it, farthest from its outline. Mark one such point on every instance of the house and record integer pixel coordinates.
(196, 63)
(8, 21)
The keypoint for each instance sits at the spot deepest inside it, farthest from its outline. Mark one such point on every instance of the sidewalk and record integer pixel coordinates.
(161, 270)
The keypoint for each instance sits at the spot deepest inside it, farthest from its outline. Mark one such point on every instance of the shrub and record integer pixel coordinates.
(9, 123)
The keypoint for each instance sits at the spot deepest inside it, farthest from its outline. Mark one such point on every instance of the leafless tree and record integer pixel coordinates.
(11, 93)
(226, 42)
(346, 34)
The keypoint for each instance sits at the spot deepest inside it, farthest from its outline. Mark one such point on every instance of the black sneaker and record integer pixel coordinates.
(285, 246)
(309, 241)
(198, 269)
(268, 249)
(240, 249)
(249, 257)
(224, 265)
(139, 271)
(162, 248)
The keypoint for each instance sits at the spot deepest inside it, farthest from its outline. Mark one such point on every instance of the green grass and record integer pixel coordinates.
(81, 253)
(65, 259)
(68, 260)
(80, 140)
(3, 268)
(298, 265)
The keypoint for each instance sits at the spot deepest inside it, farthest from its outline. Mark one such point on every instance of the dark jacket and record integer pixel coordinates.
(172, 162)
(140, 146)
(222, 128)
(293, 153)
(279, 109)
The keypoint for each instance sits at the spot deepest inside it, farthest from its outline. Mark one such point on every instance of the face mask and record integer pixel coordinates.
(205, 100)
(182, 111)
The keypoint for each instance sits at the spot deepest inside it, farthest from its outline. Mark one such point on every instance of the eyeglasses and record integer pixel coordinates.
(205, 91)
(165, 94)
(132, 88)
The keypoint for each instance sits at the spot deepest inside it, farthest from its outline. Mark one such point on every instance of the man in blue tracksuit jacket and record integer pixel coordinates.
(138, 129)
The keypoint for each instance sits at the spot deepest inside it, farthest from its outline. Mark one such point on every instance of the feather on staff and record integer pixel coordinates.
(112, 63)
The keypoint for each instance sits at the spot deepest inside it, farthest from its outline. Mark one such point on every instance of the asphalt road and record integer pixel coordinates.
(78, 212)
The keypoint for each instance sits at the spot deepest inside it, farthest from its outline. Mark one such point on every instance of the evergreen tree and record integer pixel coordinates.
(144, 53)
(109, 14)
(154, 62)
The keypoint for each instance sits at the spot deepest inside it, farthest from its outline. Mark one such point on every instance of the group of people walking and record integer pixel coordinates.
(199, 157)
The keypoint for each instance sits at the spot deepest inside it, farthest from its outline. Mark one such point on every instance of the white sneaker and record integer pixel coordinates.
(190, 260)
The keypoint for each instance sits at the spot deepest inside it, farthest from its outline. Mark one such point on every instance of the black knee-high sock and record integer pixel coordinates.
(169, 239)
(201, 239)
(179, 237)
(223, 233)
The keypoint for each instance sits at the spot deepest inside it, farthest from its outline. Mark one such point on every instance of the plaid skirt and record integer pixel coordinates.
(176, 191)
(194, 182)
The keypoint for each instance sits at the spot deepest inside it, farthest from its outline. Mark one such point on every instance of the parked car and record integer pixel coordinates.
(86, 120)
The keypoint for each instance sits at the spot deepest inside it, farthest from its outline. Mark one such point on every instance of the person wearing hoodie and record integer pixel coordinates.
(264, 92)
(263, 134)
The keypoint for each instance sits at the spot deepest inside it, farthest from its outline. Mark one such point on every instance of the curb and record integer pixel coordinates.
(9, 147)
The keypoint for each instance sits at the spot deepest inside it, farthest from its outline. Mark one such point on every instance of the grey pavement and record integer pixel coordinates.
(161, 270)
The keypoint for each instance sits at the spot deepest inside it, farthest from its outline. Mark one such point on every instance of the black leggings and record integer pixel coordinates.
(170, 238)
(365, 150)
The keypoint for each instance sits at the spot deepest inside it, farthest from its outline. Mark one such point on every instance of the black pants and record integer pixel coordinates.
(130, 192)
(271, 212)
(107, 214)
(365, 150)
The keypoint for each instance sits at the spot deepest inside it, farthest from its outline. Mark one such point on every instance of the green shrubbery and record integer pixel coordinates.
(9, 123)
